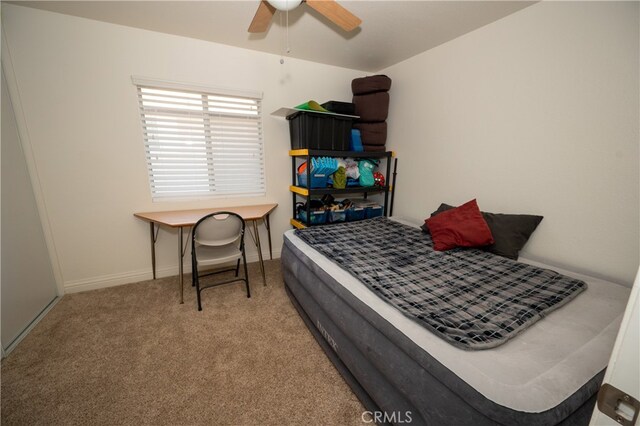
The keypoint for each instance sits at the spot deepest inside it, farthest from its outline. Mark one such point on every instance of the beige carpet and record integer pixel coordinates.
(133, 355)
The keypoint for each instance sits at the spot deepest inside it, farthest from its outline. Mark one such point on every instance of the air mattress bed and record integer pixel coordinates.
(547, 375)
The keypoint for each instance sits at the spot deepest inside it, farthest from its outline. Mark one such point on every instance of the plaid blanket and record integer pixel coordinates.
(471, 298)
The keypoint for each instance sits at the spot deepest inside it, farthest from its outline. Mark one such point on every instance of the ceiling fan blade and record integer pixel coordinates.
(262, 18)
(335, 13)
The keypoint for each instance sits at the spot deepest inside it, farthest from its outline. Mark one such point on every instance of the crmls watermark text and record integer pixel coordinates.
(326, 336)
(394, 417)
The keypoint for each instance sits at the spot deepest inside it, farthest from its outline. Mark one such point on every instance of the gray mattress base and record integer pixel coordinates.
(358, 390)
(391, 374)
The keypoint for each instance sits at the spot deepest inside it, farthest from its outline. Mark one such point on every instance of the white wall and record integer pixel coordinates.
(81, 120)
(535, 113)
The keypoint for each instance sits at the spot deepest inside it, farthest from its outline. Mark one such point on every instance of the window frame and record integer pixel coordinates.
(206, 92)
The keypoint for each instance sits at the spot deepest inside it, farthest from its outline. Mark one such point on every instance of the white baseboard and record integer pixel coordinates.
(112, 280)
(103, 281)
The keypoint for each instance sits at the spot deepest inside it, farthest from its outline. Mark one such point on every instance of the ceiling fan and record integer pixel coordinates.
(330, 9)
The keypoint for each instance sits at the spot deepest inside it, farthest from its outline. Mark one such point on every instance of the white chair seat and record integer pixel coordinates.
(217, 255)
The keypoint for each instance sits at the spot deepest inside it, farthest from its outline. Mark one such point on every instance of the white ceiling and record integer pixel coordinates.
(391, 31)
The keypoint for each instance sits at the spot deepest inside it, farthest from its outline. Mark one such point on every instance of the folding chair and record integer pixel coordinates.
(217, 239)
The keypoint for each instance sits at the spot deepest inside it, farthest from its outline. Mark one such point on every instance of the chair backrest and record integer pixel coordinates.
(219, 229)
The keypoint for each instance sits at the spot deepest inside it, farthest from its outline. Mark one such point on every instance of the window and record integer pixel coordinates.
(201, 142)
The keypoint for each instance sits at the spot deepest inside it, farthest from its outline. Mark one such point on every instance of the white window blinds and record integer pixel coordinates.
(201, 142)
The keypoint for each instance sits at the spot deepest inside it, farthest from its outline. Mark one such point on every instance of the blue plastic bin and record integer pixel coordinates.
(355, 213)
(316, 217)
(317, 180)
(372, 211)
(355, 143)
(337, 216)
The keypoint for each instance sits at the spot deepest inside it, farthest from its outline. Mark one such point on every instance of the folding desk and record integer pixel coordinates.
(187, 218)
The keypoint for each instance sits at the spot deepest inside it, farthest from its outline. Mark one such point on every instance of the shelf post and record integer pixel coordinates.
(386, 192)
(309, 188)
(293, 182)
(393, 186)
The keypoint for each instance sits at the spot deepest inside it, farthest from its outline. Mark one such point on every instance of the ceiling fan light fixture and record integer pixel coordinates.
(330, 9)
(285, 5)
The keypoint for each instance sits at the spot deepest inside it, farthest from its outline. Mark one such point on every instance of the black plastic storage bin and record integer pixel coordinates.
(340, 107)
(319, 131)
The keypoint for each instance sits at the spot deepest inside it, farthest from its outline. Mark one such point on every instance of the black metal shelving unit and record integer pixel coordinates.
(298, 191)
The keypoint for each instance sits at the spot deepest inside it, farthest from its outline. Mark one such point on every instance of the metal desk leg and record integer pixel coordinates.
(268, 226)
(180, 256)
(257, 232)
(153, 249)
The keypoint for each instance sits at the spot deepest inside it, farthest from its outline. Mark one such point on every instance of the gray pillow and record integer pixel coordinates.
(510, 231)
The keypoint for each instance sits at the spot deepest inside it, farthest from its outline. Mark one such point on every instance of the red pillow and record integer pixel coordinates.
(463, 226)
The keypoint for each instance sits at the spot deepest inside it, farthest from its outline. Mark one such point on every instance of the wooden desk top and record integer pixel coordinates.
(178, 218)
